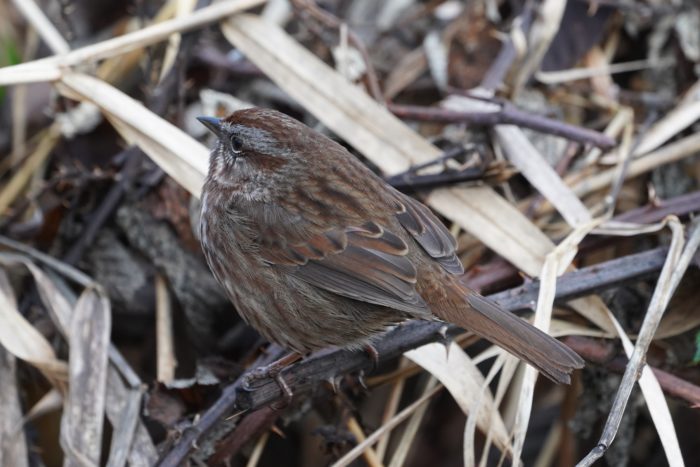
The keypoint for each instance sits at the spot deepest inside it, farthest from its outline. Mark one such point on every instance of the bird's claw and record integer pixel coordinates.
(373, 355)
(443, 338)
(265, 373)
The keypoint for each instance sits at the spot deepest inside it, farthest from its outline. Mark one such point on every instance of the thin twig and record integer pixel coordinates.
(627, 149)
(107, 206)
(671, 274)
(604, 353)
(252, 426)
(398, 418)
(220, 409)
(506, 114)
(496, 74)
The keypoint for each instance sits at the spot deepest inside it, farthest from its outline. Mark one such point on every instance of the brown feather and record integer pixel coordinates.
(315, 250)
(552, 358)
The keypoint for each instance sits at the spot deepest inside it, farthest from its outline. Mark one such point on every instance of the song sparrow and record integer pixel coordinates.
(315, 250)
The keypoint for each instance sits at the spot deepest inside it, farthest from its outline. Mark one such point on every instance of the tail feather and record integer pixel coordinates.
(552, 358)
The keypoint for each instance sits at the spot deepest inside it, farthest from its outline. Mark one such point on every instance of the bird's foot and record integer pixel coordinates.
(273, 371)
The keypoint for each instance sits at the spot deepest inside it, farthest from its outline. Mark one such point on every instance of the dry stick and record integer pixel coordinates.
(257, 452)
(400, 417)
(221, 408)
(405, 443)
(667, 154)
(165, 347)
(671, 275)
(626, 152)
(325, 17)
(506, 115)
(495, 75)
(326, 365)
(603, 353)
(107, 206)
(369, 454)
(392, 405)
(252, 426)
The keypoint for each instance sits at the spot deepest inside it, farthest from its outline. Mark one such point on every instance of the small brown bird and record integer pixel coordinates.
(315, 250)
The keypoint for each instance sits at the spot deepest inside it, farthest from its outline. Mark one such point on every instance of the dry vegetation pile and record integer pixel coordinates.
(558, 141)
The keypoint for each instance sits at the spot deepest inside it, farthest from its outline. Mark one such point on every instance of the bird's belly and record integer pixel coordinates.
(297, 315)
(282, 307)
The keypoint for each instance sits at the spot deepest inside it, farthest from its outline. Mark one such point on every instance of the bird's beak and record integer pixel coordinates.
(213, 124)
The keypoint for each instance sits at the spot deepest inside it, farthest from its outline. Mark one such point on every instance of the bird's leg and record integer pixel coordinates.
(273, 370)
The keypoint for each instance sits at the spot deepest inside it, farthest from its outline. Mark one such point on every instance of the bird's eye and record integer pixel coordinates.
(236, 144)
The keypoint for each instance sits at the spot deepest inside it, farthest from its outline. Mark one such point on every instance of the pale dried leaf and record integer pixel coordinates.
(48, 32)
(142, 452)
(183, 8)
(672, 271)
(28, 169)
(509, 364)
(406, 442)
(51, 68)
(622, 118)
(681, 117)
(469, 437)
(556, 263)
(589, 72)
(49, 402)
(656, 403)
(355, 452)
(20, 338)
(456, 371)
(165, 347)
(683, 312)
(174, 151)
(410, 67)
(544, 28)
(88, 338)
(13, 445)
(523, 155)
(672, 152)
(125, 428)
(436, 54)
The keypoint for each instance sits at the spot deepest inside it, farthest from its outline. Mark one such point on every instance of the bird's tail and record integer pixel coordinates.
(552, 358)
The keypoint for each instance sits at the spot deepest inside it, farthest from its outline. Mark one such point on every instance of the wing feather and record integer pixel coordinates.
(367, 263)
(430, 233)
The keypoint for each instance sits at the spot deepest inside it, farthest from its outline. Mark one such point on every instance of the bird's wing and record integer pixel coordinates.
(429, 232)
(366, 262)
